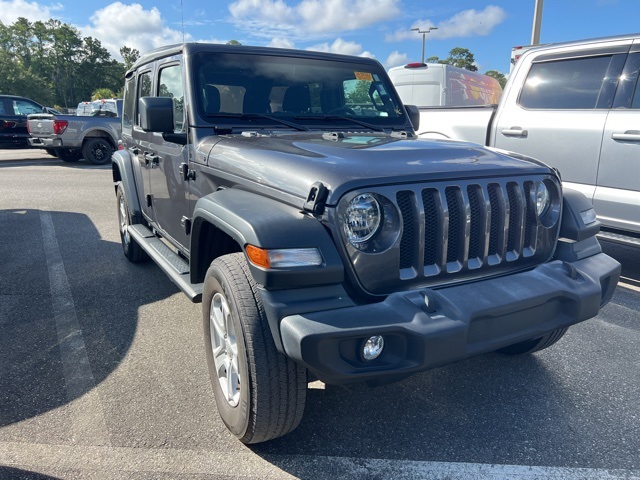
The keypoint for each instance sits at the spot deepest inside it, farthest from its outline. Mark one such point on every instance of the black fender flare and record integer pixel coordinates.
(263, 222)
(122, 171)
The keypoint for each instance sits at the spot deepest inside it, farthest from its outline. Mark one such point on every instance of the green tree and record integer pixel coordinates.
(498, 76)
(461, 58)
(102, 93)
(233, 42)
(129, 55)
(360, 94)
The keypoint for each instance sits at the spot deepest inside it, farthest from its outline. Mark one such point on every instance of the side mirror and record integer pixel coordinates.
(156, 114)
(414, 115)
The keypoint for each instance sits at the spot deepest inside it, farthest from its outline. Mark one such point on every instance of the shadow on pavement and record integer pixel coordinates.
(106, 296)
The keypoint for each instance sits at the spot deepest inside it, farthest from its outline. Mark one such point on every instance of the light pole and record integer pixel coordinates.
(424, 37)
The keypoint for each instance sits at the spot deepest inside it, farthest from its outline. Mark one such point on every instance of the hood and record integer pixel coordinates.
(292, 163)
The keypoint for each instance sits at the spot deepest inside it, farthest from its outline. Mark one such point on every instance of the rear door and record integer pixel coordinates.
(560, 112)
(617, 194)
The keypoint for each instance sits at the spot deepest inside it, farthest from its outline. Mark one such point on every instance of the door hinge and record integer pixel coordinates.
(186, 224)
(186, 173)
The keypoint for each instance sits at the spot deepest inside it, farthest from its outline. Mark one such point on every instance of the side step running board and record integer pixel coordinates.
(171, 263)
(619, 238)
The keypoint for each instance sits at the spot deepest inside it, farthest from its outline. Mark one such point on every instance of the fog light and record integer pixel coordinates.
(373, 347)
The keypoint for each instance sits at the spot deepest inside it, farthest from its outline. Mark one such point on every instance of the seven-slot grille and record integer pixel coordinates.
(466, 226)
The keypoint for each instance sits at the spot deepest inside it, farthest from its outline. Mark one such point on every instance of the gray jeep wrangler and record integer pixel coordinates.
(287, 192)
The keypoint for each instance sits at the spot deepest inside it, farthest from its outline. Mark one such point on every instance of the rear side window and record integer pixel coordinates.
(129, 103)
(23, 107)
(565, 84)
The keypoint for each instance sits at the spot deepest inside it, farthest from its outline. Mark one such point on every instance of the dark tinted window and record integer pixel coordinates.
(565, 84)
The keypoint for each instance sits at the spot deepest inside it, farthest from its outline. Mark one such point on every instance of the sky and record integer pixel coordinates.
(374, 28)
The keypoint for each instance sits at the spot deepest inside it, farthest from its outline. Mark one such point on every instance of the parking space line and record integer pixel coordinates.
(46, 458)
(88, 422)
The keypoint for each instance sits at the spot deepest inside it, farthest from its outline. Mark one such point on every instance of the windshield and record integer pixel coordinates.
(256, 90)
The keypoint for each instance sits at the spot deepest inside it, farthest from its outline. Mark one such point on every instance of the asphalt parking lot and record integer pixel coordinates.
(103, 372)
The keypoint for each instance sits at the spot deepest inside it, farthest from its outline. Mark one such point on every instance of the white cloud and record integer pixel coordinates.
(321, 17)
(343, 47)
(468, 23)
(279, 42)
(396, 58)
(10, 10)
(117, 25)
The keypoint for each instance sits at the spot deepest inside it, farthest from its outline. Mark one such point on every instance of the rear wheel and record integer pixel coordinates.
(69, 154)
(97, 150)
(131, 249)
(259, 392)
(534, 345)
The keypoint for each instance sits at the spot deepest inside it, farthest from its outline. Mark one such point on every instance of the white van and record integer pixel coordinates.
(439, 85)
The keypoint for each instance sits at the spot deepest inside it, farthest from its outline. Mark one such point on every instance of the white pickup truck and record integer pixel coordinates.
(576, 107)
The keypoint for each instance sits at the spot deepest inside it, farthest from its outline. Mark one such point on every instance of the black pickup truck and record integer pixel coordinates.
(287, 191)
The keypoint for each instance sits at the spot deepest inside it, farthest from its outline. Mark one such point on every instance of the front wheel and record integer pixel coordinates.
(131, 249)
(97, 150)
(260, 393)
(534, 345)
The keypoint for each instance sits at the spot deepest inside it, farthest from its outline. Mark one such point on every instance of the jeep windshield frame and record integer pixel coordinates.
(265, 91)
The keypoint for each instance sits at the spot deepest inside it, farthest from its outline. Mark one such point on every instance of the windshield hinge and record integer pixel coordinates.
(316, 199)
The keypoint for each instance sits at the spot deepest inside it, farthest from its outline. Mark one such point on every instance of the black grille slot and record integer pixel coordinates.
(496, 218)
(476, 208)
(530, 218)
(456, 224)
(409, 228)
(431, 226)
(513, 216)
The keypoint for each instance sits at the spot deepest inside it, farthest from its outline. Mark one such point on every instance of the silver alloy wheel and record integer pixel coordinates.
(225, 349)
(123, 220)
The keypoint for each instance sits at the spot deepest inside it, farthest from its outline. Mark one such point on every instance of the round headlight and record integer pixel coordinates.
(362, 218)
(543, 199)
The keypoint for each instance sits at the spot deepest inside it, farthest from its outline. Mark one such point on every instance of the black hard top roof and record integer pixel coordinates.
(192, 48)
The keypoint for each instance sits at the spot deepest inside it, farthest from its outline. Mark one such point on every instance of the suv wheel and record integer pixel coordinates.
(534, 345)
(259, 392)
(97, 151)
(131, 249)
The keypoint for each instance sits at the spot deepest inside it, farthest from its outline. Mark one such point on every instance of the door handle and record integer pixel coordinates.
(514, 132)
(628, 136)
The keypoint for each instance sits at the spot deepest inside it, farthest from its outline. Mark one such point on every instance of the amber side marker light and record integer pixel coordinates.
(258, 256)
(284, 257)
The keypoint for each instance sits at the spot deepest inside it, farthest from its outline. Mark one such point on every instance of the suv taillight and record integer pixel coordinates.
(59, 126)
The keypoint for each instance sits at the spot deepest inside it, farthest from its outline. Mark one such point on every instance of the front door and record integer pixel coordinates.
(169, 198)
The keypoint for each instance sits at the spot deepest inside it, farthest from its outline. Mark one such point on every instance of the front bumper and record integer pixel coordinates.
(458, 322)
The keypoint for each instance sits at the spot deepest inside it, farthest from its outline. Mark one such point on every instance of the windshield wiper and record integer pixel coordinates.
(342, 117)
(254, 116)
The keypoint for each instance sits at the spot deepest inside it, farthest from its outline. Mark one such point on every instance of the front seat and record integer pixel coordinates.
(296, 99)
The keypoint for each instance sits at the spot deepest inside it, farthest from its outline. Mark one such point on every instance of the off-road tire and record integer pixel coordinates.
(97, 151)
(534, 345)
(131, 249)
(70, 155)
(272, 387)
